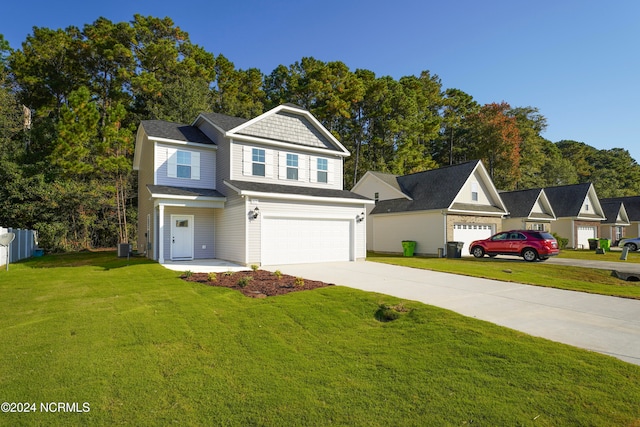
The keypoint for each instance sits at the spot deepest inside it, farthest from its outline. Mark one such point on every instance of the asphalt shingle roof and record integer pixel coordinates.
(611, 210)
(520, 203)
(433, 189)
(175, 131)
(263, 187)
(567, 200)
(224, 121)
(183, 191)
(631, 205)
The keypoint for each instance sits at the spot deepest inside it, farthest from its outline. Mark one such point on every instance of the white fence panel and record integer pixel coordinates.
(22, 246)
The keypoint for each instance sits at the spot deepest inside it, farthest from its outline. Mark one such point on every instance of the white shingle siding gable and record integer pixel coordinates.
(203, 172)
(288, 127)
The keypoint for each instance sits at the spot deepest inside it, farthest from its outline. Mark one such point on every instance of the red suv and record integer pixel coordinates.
(529, 244)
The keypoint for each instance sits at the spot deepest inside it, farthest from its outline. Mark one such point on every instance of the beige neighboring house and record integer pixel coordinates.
(528, 210)
(632, 208)
(453, 203)
(578, 213)
(614, 227)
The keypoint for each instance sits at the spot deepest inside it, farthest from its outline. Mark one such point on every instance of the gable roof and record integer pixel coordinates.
(631, 205)
(438, 189)
(387, 179)
(171, 132)
(159, 129)
(222, 121)
(520, 203)
(567, 200)
(615, 212)
(287, 125)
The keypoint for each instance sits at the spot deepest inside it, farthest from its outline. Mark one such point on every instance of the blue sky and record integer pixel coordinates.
(578, 62)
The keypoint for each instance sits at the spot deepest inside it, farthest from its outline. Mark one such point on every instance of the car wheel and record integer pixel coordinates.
(477, 252)
(632, 247)
(529, 255)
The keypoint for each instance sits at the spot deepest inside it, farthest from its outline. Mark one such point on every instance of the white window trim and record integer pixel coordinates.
(172, 164)
(282, 166)
(247, 161)
(313, 170)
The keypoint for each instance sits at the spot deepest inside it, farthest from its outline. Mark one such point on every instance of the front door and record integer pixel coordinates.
(181, 237)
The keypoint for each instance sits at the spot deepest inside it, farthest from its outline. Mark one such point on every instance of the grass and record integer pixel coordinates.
(611, 256)
(143, 347)
(580, 279)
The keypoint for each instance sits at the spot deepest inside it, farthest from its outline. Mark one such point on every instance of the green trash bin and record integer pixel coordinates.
(605, 245)
(408, 247)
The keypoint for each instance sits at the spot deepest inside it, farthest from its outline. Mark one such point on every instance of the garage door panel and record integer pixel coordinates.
(584, 234)
(301, 240)
(467, 233)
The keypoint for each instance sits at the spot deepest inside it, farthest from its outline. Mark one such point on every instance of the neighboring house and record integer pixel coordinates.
(617, 220)
(528, 210)
(262, 191)
(578, 213)
(632, 208)
(454, 203)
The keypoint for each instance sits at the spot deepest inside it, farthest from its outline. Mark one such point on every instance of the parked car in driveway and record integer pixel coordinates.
(529, 244)
(632, 243)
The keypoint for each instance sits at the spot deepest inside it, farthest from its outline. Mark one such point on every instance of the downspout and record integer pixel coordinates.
(444, 234)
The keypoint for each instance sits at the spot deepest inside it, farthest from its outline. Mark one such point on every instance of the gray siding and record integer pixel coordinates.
(237, 167)
(145, 206)
(207, 168)
(223, 163)
(203, 232)
(230, 223)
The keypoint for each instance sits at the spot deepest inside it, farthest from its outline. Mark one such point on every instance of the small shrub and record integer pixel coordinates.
(562, 242)
(212, 277)
(278, 274)
(244, 281)
(299, 282)
(255, 267)
(187, 274)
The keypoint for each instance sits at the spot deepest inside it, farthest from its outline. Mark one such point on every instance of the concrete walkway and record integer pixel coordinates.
(598, 323)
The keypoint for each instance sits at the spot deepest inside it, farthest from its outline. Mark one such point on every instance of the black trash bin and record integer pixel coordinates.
(454, 249)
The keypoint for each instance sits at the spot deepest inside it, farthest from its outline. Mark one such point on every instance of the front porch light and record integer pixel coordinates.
(255, 213)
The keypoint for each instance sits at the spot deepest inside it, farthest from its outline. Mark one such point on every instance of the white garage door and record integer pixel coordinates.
(467, 233)
(301, 240)
(584, 234)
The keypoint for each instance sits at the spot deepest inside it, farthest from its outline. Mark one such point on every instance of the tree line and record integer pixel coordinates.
(71, 100)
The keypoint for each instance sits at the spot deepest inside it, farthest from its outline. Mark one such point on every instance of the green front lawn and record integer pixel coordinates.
(516, 270)
(611, 256)
(143, 347)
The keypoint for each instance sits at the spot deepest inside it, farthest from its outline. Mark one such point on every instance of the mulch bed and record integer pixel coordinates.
(261, 285)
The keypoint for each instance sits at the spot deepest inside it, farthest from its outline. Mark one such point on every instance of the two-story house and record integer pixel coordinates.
(263, 191)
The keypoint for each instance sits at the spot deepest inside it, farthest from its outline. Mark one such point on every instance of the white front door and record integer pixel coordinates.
(181, 237)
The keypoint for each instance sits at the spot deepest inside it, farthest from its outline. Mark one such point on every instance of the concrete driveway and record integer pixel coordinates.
(598, 323)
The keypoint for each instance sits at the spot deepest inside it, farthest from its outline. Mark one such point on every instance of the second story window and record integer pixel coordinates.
(474, 191)
(292, 166)
(258, 160)
(183, 165)
(323, 169)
